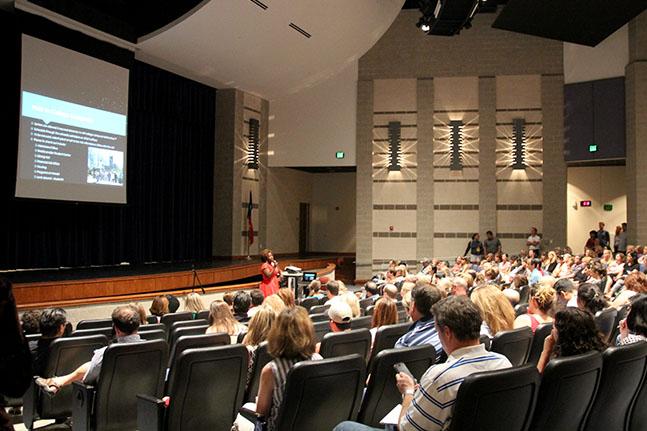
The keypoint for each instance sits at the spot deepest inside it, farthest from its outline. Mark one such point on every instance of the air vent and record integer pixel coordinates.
(300, 30)
(259, 4)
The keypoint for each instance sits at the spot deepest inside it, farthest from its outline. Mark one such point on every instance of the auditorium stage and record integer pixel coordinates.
(92, 285)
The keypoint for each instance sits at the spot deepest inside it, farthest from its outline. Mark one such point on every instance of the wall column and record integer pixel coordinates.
(636, 114)
(554, 166)
(425, 181)
(264, 129)
(364, 181)
(487, 155)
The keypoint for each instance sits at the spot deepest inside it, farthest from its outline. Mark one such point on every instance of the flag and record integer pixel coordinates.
(250, 224)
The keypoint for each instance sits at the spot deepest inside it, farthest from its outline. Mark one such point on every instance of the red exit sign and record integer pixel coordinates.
(585, 203)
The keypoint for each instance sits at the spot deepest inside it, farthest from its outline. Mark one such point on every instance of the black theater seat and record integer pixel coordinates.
(541, 332)
(262, 358)
(194, 342)
(94, 323)
(513, 344)
(169, 318)
(346, 343)
(107, 331)
(386, 337)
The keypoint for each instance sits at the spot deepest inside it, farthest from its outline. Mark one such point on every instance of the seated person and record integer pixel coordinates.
(193, 303)
(242, 302)
(371, 291)
(540, 306)
(634, 327)
(459, 287)
(314, 289)
(590, 298)
(29, 321)
(125, 320)
(159, 307)
(423, 329)
(173, 303)
(429, 405)
(259, 327)
(390, 291)
(340, 315)
(290, 340)
(257, 300)
(385, 313)
(566, 294)
(221, 320)
(52, 326)
(331, 289)
(574, 332)
(498, 314)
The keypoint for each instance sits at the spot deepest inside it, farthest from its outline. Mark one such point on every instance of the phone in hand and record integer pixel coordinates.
(400, 367)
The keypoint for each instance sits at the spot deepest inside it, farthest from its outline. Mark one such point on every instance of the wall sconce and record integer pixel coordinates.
(252, 144)
(456, 140)
(394, 146)
(518, 144)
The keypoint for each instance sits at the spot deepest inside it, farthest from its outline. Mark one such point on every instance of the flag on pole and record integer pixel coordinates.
(250, 224)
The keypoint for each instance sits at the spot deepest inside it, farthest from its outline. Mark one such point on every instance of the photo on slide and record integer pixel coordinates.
(105, 167)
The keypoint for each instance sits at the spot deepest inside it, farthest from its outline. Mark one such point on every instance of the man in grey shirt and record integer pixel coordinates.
(125, 320)
(491, 244)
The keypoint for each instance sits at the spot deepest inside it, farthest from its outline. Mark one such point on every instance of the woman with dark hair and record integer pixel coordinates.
(574, 332)
(475, 249)
(633, 328)
(271, 273)
(590, 298)
(385, 313)
(592, 243)
(159, 307)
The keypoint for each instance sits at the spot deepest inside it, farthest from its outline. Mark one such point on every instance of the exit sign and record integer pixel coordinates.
(585, 203)
(608, 207)
(593, 148)
(340, 155)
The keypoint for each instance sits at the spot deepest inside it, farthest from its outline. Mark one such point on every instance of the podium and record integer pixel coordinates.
(293, 279)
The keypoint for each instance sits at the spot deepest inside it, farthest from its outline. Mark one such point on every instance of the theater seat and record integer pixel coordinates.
(623, 369)
(94, 323)
(194, 342)
(317, 309)
(308, 303)
(361, 322)
(128, 369)
(319, 317)
(363, 303)
(206, 390)
(321, 329)
(513, 344)
(189, 330)
(321, 394)
(385, 338)
(169, 318)
(152, 326)
(153, 334)
(605, 321)
(346, 343)
(537, 345)
(496, 400)
(187, 323)
(566, 394)
(261, 359)
(637, 420)
(381, 392)
(107, 331)
(204, 314)
(65, 355)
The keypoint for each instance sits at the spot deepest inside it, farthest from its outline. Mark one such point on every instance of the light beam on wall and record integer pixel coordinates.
(456, 151)
(518, 144)
(394, 146)
(252, 144)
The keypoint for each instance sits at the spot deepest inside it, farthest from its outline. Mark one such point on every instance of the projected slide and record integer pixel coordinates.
(73, 126)
(71, 142)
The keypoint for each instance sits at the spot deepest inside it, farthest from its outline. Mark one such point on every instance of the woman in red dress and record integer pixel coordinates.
(270, 272)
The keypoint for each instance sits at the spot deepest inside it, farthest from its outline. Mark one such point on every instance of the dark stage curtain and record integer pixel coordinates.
(171, 133)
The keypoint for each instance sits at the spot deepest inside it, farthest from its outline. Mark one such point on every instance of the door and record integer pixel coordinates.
(304, 228)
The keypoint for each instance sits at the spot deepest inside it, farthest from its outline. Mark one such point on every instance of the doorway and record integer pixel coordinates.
(304, 228)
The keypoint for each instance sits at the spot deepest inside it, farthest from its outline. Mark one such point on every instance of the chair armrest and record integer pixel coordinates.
(250, 414)
(150, 413)
(30, 405)
(82, 406)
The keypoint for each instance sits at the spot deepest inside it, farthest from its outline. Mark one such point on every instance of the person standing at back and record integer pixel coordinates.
(492, 244)
(603, 236)
(534, 242)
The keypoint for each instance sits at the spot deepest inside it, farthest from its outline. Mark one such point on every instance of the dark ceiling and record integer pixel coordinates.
(128, 20)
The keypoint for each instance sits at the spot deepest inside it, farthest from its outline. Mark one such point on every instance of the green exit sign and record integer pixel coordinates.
(340, 155)
(593, 148)
(608, 207)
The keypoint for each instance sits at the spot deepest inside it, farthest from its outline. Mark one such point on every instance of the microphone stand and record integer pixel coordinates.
(196, 278)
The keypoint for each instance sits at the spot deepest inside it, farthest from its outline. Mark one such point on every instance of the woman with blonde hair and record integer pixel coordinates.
(353, 302)
(290, 341)
(159, 307)
(275, 303)
(287, 296)
(193, 303)
(259, 326)
(142, 312)
(222, 320)
(498, 314)
(540, 307)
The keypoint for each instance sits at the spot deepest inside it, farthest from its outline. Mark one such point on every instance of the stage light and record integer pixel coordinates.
(425, 27)
(252, 144)
(518, 144)
(394, 146)
(456, 139)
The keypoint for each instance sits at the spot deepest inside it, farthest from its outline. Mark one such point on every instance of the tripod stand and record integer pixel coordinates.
(196, 278)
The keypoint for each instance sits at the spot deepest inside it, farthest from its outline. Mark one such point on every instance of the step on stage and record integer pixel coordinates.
(82, 286)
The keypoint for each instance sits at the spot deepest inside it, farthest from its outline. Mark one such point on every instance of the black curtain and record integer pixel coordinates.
(168, 218)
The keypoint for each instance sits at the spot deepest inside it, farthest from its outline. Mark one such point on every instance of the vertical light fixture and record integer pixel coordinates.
(394, 146)
(252, 144)
(518, 144)
(456, 140)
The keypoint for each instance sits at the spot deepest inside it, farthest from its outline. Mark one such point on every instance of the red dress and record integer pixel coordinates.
(269, 285)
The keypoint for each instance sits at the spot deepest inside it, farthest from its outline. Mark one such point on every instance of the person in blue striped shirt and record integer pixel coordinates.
(429, 406)
(423, 330)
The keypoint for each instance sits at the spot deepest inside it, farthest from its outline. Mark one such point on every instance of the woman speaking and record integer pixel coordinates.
(271, 273)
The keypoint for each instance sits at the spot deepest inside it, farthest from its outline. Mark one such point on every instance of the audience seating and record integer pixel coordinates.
(524, 294)
(381, 392)
(152, 326)
(152, 319)
(317, 309)
(206, 390)
(319, 317)
(321, 329)
(204, 314)
(186, 324)
(309, 302)
(496, 400)
(65, 355)
(153, 334)
(403, 316)
(513, 344)
(94, 323)
(32, 337)
(623, 369)
(346, 343)
(194, 342)
(169, 318)
(107, 331)
(637, 420)
(520, 309)
(386, 337)
(605, 321)
(128, 369)
(486, 341)
(567, 391)
(361, 322)
(334, 386)
(541, 332)
(622, 313)
(366, 302)
(261, 359)
(369, 310)
(190, 330)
